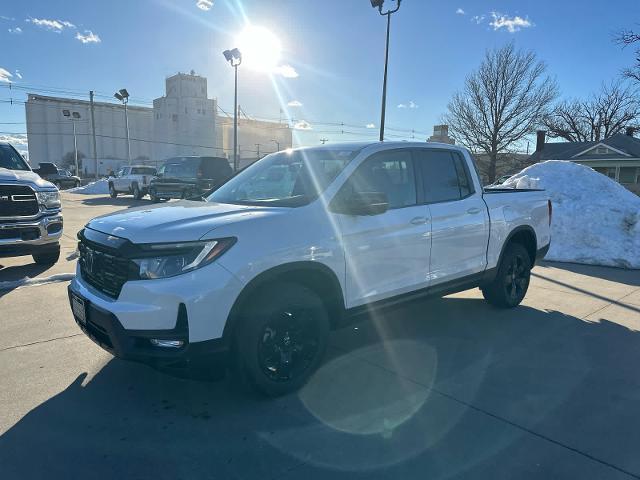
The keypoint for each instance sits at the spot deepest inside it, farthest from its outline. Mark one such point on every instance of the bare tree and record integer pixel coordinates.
(601, 116)
(626, 38)
(501, 103)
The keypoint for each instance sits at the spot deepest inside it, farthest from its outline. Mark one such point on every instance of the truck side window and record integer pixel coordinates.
(389, 172)
(440, 178)
(466, 187)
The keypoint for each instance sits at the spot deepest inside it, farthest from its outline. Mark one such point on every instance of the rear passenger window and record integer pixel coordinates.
(389, 172)
(463, 177)
(439, 175)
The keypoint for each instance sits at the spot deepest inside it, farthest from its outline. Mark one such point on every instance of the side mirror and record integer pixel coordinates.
(363, 203)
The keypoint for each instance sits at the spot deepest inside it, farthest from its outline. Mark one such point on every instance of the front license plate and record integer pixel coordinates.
(78, 307)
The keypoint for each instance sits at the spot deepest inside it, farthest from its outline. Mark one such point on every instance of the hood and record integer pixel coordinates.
(176, 221)
(23, 176)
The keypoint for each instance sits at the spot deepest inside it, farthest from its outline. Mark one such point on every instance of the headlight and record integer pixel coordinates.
(167, 260)
(49, 199)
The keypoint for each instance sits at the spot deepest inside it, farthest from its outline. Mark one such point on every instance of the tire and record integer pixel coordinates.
(510, 285)
(153, 197)
(281, 339)
(47, 258)
(112, 191)
(136, 192)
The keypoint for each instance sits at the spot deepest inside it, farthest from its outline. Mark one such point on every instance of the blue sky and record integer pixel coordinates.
(335, 47)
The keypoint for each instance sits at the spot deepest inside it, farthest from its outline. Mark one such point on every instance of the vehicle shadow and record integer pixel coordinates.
(613, 274)
(118, 201)
(444, 388)
(16, 273)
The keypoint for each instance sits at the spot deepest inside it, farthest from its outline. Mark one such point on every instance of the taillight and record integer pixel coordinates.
(550, 211)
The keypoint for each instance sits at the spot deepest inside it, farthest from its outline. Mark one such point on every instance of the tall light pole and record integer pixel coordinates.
(234, 57)
(277, 144)
(378, 4)
(73, 116)
(123, 96)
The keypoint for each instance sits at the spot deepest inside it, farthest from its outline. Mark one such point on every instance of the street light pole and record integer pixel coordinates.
(236, 160)
(75, 145)
(73, 116)
(234, 57)
(378, 4)
(277, 144)
(123, 96)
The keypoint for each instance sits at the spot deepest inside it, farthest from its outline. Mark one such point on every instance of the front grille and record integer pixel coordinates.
(104, 271)
(30, 233)
(17, 201)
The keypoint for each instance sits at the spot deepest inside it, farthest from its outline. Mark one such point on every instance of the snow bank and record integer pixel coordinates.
(26, 281)
(595, 220)
(94, 188)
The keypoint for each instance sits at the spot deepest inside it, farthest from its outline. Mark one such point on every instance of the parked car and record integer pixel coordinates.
(30, 211)
(134, 180)
(59, 177)
(294, 245)
(187, 177)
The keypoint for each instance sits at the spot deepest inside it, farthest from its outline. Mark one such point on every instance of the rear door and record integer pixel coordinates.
(459, 218)
(121, 182)
(386, 254)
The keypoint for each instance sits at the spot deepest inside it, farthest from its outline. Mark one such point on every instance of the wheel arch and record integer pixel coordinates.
(524, 235)
(313, 275)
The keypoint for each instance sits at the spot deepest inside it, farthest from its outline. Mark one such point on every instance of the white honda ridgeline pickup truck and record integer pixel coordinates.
(295, 244)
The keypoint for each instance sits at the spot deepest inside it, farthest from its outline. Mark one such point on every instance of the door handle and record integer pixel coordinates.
(473, 210)
(418, 220)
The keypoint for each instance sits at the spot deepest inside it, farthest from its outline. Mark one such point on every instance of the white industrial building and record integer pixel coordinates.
(182, 122)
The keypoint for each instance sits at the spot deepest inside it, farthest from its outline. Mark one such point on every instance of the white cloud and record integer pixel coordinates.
(478, 19)
(370, 125)
(5, 75)
(49, 24)
(88, 37)
(302, 125)
(16, 31)
(204, 4)
(287, 71)
(460, 11)
(294, 103)
(18, 74)
(411, 104)
(512, 24)
(15, 139)
(4, 17)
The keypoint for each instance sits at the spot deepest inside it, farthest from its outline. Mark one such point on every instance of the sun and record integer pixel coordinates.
(261, 49)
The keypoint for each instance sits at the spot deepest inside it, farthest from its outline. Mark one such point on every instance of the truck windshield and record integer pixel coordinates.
(10, 159)
(286, 179)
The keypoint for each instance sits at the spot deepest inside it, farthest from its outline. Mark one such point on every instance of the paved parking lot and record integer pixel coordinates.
(447, 388)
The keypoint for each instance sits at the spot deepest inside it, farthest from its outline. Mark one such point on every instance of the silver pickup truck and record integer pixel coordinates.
(30, 211)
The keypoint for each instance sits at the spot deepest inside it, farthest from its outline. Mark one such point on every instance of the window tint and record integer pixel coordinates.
(466, 188)
(388, 172)
(216, 168)
(10, 159)
(440, 176)
(143, 171)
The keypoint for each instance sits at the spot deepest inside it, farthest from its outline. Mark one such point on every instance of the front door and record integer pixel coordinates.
(385, 254)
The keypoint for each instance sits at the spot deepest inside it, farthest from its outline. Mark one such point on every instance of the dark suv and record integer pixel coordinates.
(59, 177)
(188, 177)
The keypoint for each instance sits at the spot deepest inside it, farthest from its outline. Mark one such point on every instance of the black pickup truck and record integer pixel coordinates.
(59, 177)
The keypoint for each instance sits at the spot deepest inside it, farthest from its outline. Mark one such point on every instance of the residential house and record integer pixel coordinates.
(618, 156)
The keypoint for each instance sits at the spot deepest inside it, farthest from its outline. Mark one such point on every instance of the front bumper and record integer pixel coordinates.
(105, 329)
(24, 237)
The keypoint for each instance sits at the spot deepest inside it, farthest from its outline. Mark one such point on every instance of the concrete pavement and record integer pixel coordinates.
(446, 388)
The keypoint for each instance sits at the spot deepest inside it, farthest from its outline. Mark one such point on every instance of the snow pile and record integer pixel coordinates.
(595, 219)
(27, 282)
(94, 188)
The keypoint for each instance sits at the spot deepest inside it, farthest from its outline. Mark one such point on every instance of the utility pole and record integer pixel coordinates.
(93, 132)
(324, 140)
(258, 147)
